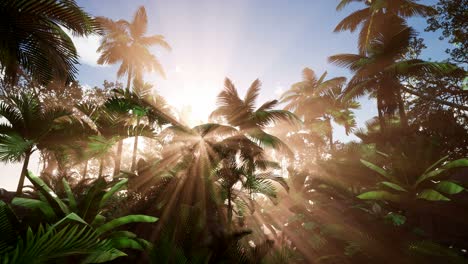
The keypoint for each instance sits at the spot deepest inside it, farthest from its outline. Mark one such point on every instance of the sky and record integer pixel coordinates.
(272, 40)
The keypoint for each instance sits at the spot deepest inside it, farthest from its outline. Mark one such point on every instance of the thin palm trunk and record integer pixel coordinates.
(24, 170)
(229, 214)
(330, 135)
(401, 111)
(85, 169)
(129, 79)
(381, 115)
(135, 146)
(101, 167)
(118, 158)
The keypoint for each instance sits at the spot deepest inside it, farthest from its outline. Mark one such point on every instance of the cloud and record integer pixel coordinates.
(86, 47)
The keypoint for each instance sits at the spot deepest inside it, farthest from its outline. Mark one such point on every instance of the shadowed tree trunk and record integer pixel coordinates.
(330, 135)
(135, 146)
(229, 209)
(85, 169)
(101, 167)
(381, 115)
(401, 110)
(118, 158)
(24, 170)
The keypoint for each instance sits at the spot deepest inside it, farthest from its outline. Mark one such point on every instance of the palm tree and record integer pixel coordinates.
(372, 18)
(242, 113)
(34, 41)
(318, 102)
(379, 69)
(125, 42)
(139, 104)
(29, 125)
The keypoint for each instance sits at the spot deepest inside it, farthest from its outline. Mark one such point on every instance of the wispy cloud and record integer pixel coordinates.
(86, 48)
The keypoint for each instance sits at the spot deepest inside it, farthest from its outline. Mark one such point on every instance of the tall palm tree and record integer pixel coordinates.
(29, 123)
(34, 41)
(137, 105)
(251, 121)
(373, 17)
(125, 42)
(379, 69)
(317, 101)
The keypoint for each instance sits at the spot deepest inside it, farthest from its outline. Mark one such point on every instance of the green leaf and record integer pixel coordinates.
(432, 195)
(449, 187)
(35, 204)
(396, 219)
(379, 195)
(50, 195)
(435, 164)
(117, 187)
(376, 169)
(90, 206)
(456, 164)
(104, 256)
(125, 242)
(125, 220)
(431, 174)
(393, 186)
(71, 216)
(70, 195)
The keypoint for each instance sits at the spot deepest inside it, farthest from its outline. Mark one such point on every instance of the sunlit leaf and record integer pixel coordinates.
(393, 186)
(379, 195)
(125, 220)
(432, 195)
(449, 187)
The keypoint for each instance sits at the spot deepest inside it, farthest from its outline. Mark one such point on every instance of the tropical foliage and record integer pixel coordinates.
(125, 180)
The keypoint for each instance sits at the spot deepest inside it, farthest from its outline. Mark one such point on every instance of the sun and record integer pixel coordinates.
(197, 89)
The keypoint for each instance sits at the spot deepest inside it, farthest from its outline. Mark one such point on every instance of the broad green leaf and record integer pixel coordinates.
(456, 164)
(431, 174)
(71, 216)
(118, 234)
(125, 242)
(35, 204)
(125, 220)
(453, 164)
(70, 195)
(379, 195)
(432, 195)
(117, 187)
(449, 187)
(377, 169)
(393, 186)
(104, 256)
(50, 195)
(98, 220)
(435, 164)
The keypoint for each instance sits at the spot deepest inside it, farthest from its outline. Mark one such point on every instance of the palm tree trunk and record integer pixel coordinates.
(101, 167)
(401, 111)
(135, 146)
(381, 115)
(85, 169)
(330, 135)
(229, 209)
(118, 158)
(24, 170)
(129, 79)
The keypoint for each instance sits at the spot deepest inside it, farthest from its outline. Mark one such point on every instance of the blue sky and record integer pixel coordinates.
(272, 40)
